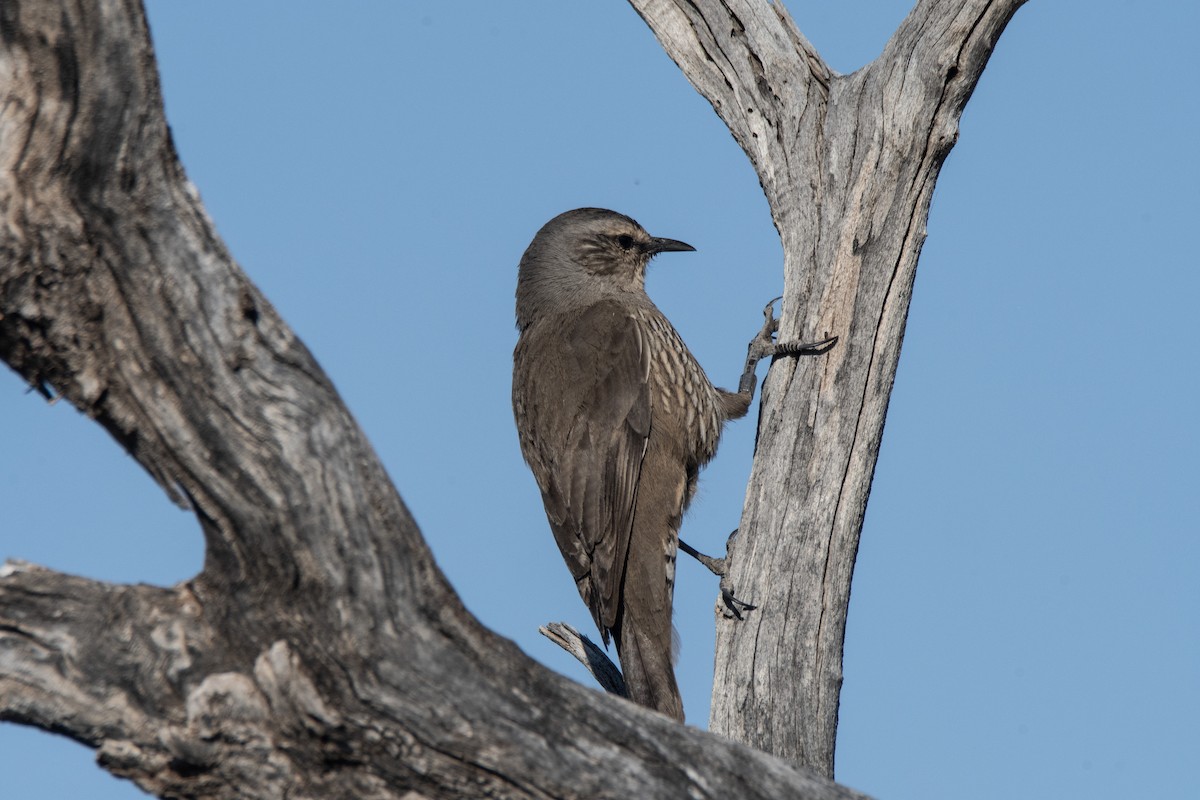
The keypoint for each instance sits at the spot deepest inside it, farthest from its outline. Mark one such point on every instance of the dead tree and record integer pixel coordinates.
(320, 652)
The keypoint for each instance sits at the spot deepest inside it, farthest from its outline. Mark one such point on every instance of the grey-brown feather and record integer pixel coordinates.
(585, 410)
(615, 419)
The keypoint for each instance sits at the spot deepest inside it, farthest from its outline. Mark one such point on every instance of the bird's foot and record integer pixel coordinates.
(806, 348)
(733, 607)
(766, 344)
(763, 345)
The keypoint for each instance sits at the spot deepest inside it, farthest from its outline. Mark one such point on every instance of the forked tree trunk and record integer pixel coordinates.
(848, 164)
(320, 652)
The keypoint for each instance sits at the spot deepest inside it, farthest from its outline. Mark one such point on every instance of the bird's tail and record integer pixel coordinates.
(646, 662)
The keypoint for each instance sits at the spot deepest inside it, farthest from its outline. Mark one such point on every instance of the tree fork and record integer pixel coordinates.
(321, 651)
(848, 164)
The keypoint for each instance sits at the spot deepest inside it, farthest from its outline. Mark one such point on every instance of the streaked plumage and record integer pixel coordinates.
(615, 419)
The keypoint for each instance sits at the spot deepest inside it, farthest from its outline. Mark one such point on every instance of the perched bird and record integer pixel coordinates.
(615, 419)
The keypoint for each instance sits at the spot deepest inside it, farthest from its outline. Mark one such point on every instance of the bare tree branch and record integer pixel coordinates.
(93, 660)
(848, 164)
(585, 651)
(320, 652)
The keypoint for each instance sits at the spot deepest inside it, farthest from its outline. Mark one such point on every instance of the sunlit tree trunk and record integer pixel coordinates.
(320, 652)
(848, 164)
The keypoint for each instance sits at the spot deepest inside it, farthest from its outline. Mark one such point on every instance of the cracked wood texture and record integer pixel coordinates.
(848, 164)
(320, 652)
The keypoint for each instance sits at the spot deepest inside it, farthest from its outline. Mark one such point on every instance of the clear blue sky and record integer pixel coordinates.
(1024, 616)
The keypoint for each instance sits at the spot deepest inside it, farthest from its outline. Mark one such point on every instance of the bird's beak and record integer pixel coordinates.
(667, 246)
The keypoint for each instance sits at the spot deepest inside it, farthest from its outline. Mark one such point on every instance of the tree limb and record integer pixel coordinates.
(585, 651)
(320, 652)
(92, 660)
(848, 164)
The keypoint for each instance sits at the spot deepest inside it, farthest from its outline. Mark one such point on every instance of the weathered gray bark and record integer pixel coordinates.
(848, 164)
(320, 652)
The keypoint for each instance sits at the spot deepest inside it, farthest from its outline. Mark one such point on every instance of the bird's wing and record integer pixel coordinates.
(586, 408)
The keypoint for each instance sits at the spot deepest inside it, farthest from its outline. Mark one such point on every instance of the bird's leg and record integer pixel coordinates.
(716, 566)
(764, 345)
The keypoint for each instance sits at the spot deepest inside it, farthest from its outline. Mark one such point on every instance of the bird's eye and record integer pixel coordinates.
(625, 241)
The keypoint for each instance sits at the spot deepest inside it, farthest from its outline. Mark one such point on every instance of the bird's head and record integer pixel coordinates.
(582, 256)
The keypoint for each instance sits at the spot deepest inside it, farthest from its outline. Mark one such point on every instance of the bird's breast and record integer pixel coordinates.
(683, 401)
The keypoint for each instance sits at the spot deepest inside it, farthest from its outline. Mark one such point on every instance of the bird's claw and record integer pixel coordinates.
(764, 344)
(805, 348)
(772, 324)
(733, 606)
